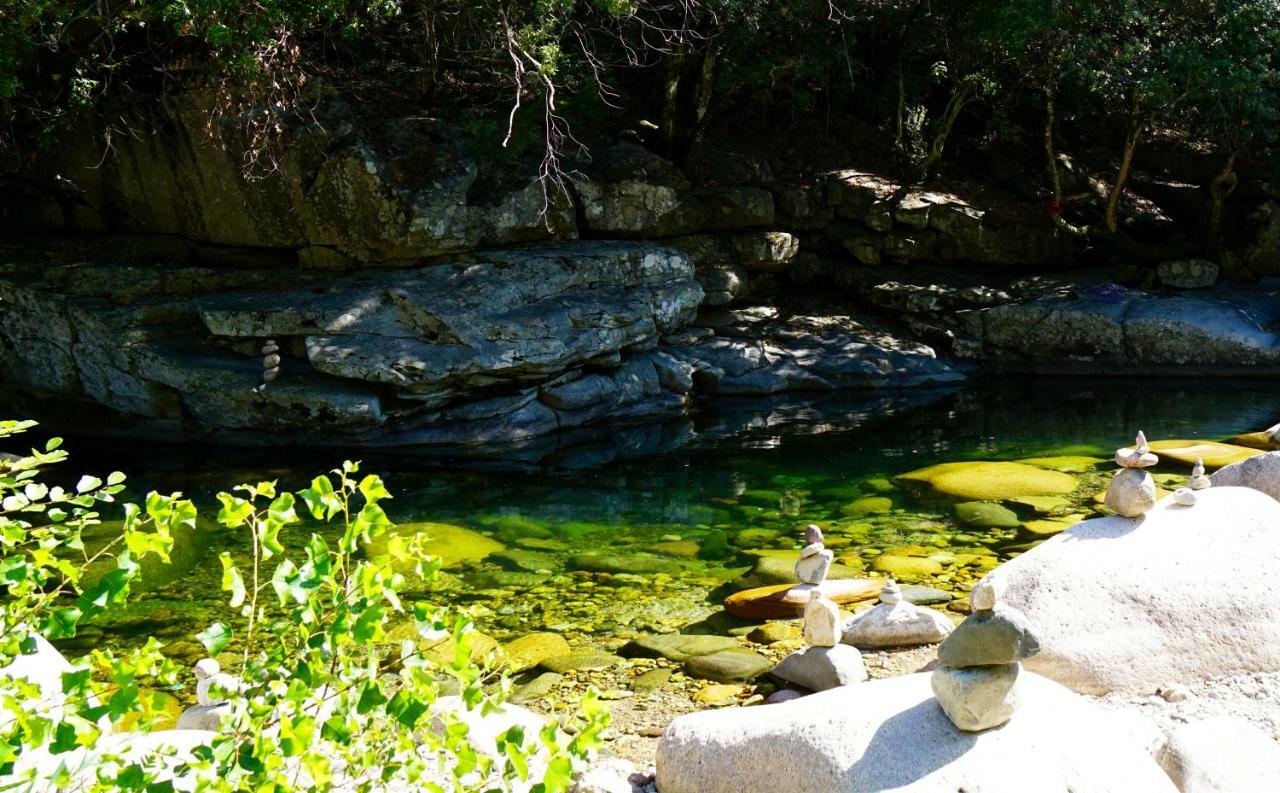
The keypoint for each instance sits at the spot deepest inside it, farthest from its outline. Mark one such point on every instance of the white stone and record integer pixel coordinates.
(821, 668)
(891, 735)
(813, 569)
(166, 749)
(902, 624)
(1132, 492)
(42, 668)
(983, 596)
(977, 698)
(610, 775)
(1260, 472)
(1132, 606)
(821, 621)
(1184, 496)
(1221, 755)
(891, 593)
(203, 717)
(811, 549)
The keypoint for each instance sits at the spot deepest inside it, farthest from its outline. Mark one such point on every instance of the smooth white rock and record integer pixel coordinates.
(983, 596)
(891, 735)
(978, 697)
(1199, 482)
(813, 569)
(821, 621)
(1184, 497)
(610, 775)
(821, 668)
(902, 624)
(203, 717)
(1221, 755)
(1133, 606)
(891, 593)
(1260, 472)
(1132, 492)
(43, 668)
(812, 549)
(1132, 458)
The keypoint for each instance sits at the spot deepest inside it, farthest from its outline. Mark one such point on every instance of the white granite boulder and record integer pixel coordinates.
(1221, 755)
(1137, 605)
(821, 668)
(891, 734)
(900, 624)
(1260, 472)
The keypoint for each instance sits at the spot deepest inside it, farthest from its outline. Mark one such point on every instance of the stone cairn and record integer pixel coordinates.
(896, 622)
(1186, 496)
(815, 559)
(207, 713)
(270, 361)
(1132, 492)
(825, 663)
(975, 682)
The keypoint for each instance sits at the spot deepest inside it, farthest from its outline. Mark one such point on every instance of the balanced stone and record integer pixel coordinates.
(1132, 492)
(821, 621)
(822, 668)
(1185, 496)
(990, 638)
(977, 698)
(896, 623)
(814, 560)
(1198, 480)
(1139, 456)
(983, 596)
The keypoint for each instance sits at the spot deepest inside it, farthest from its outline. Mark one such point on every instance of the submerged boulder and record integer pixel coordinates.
(986, 481)
(891, 734)
(1132, 605)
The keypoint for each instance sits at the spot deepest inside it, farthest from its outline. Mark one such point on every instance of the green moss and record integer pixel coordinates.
(867, 505)
(987, 481)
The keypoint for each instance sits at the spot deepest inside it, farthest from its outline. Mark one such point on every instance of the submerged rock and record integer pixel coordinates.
(1211, 453)
(986, 481)
(454, 545)
(891, 734)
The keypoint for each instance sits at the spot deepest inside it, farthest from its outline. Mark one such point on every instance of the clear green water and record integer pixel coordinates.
(737, 479)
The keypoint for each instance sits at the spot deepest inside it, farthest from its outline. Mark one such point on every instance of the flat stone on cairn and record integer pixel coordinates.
(815, 559)
(976, 682)
(896, 622)
(825, 663)
(1132, 492)
(1198, 480)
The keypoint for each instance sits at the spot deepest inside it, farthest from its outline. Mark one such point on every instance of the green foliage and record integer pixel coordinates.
(320, 696)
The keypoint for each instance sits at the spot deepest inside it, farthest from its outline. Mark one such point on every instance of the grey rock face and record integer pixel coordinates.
(1188, 273)
(1261, 472)
(990, 638)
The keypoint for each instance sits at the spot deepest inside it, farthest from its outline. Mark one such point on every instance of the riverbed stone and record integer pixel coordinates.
(772, 633)
(867, 505)
(986, 481)
(574, 661)
(994, 637)
(821, 668)
(986, 515)
(773, 568)
(728, 666)
(455, 546)
(788, 600)
(678, 647)
(536, 689)
(907, 568)
(532, 649)
(607, 562)
(977, 698)
(1123, 605)
(890, 734)
(821, 622)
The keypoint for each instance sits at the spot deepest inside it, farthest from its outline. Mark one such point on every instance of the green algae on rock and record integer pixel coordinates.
(1214, 454)
(867, 505)
(455, 546)
(986, 515)
(1067, 463)
(906, 568)
(986, 481)
(532, 649)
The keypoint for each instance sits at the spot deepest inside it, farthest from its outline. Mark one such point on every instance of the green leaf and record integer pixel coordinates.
(215, 638)
(88, 483)
(231, 580)
(373, 489)
(371, 696)
(235, 510)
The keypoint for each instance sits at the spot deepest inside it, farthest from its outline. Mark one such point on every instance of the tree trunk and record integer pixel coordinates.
(671, 103)
(1057, 200)
(702, 96)
(949, 115)
(1221, 186)
(1122, 174)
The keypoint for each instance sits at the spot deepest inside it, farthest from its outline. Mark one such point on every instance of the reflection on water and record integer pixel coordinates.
(610, 534)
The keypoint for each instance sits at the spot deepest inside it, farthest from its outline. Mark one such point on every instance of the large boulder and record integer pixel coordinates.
(1221, 755)
(1133, 605)
(891, 734)
(1261, 473)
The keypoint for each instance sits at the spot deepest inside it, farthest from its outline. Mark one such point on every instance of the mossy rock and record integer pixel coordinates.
(986, 481)
(756, 538)
(454, 545)
(1254, 440)
(510, 528)
(1046, 528)
(576, 529)
(683, 549)
(532, 649)
(503, 579)
(572, 662)
(878, 484)
(678, 647)
(605, 562)
(520, 559)
(867, 505)
(1041, 505)
(1215, 455)
(986, 515)
(537, 688)
(652, 680)
(906, 568)
(763, 498)
(773, 632)
(1067, 463)
(440, 651)
(189, 549)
